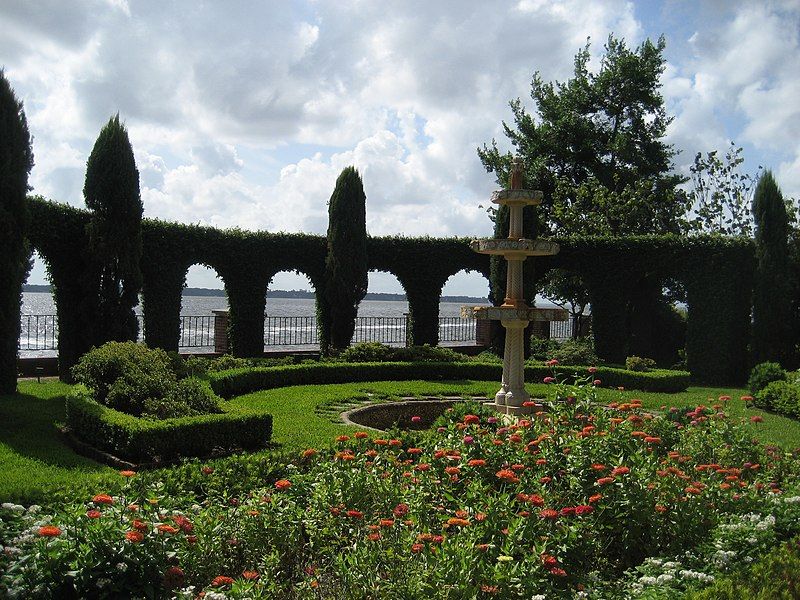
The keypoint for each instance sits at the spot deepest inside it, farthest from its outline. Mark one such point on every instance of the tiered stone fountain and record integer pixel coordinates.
(514, 314)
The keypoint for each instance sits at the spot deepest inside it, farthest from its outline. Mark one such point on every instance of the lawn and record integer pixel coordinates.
(37, 466)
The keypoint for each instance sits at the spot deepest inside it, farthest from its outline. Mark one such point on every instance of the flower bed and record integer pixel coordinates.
(243, 381)
(571, 501)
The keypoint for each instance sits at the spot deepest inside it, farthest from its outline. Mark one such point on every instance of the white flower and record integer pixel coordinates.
(664, 578)
(215, 596)
(34, 508)
(648, 580)
(122, 567)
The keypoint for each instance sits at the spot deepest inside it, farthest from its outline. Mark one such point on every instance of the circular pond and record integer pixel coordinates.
(386, 415)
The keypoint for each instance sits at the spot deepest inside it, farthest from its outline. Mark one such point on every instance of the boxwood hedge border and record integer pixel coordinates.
(138, 440)
(236, 382)
(716, 272)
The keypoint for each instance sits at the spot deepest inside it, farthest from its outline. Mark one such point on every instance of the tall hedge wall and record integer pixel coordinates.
(716, 272)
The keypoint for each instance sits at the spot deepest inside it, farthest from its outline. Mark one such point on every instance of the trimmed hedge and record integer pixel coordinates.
(243, 381)
(140, 440)
(782, 397)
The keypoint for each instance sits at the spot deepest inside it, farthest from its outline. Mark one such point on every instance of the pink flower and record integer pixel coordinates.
(756, 419)
(592, 369)
(416, 419)
(596, 382)
(549, 379)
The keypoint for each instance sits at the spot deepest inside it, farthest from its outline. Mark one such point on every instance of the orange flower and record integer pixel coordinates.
(422, 467)
(221, 581)
(605, 480)
(417, 548)
(455, 521)
(207, 470)
(599, 467)
(387, 522)
(343, 438)
(250, 575)
(401, 510)
(283, 484)
(595, 498)
(414, 450)
(620, 471)
(452, 470)
(93, 514)
(476, 462)
(380, 442)
(652, 439)
(163, 528)
(507, 475)
(355, 514)
(374, 537)
(49, 531)
(309, 452)
(548, 513)
(395, 443)
(127, 473)
(360, 435)
(471, 419)
(134, 536)
(103, 499)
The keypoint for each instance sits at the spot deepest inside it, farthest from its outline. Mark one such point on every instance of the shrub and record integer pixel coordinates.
(134, 379)
(488, 356)
(637, 363)
(367, 352)
(543, 349)
(575, 352)
(781, 397)
(763, 374)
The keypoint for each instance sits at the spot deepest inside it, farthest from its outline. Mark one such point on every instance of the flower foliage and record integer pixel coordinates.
(567, 499)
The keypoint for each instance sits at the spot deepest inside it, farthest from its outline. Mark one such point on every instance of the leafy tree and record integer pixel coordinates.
(595, 147)
(111, 191)
(16, 161)
(722, 193)
(772, 295)
(345, 283)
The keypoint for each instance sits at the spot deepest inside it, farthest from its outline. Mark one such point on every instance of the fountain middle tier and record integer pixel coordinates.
(515, 249)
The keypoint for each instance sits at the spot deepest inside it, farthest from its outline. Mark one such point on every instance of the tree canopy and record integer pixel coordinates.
(595, 146)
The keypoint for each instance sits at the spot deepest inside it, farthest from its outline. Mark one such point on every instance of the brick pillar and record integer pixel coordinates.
(483, 332)
(220, 331)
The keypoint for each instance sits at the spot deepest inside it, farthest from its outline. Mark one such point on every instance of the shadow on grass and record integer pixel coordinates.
(28, 428)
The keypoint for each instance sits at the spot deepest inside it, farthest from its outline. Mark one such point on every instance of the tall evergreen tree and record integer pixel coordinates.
(16, 161)
(112, 193)
(772, 291)
(346, 262)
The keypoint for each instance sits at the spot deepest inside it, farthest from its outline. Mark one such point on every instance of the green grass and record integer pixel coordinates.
(37, 466)
(35, 463)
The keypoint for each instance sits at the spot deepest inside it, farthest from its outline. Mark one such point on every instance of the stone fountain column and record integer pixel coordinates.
(515, 314)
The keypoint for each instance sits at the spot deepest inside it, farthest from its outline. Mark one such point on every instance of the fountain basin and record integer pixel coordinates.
(518, 197)
(513, 313)
(386, 415)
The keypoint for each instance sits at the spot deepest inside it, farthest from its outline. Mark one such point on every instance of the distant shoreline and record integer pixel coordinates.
(303, 294)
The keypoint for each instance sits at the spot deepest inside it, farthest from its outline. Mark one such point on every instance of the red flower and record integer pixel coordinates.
(605, 480)
(584, 509)
(756, 419)
(355, 514)
(49, 531)
(417, 548)
(343, 438)
(250, 575)
(471, 419)
(361, 435)
(400, 510)
(207, 470)
(283, 484)
(387, 522)
(548, 513)
(222, 580)
(93, 514)
(482, 547)
(127, 473)
(595, 498)
(549, 561)
(620, 471)
(746, 398)
(414, 450)
(422, 467)
(552, 362)
(134, 536)
(184, 523)
(507, 475)
(652, 439)
(374, 537)
(599, 467)
(103, 499)
(476, 462)
(558, 572)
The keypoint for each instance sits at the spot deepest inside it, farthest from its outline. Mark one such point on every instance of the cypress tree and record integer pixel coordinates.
(16, 161)
(346, 262)
(772, 291)
(111, 191)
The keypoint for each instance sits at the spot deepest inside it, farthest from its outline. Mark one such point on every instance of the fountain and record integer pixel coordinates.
(514, 314)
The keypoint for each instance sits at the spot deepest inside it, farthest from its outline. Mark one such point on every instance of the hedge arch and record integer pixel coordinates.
(717, 273)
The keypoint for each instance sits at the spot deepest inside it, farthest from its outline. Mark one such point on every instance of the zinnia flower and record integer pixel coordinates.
(103, 499)
(548, 379)
(163, 528)
(283, 484)
(173, 577)
(250, 575)
(605, 480)
(127, 473)
(134, 536)
(476, 462)
(309, 452)
(548, 513)
(471, 419)
(620, 471)
(49, 531)
(93, 514)
(401, 510)
(221, 580)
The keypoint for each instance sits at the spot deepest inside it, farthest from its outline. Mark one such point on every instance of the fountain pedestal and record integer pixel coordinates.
(514, 314)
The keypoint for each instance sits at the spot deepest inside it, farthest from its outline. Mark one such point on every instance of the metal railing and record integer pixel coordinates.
(197, 331)
(38, 332)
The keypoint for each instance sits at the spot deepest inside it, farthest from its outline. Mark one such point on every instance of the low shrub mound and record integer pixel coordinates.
(782, 397)
(377, 352)
(575, 352)
(140, 381)
(637, 363)
(614, 503)
(763, 374)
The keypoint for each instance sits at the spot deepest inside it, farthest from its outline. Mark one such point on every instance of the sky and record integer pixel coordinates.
(242, 114)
